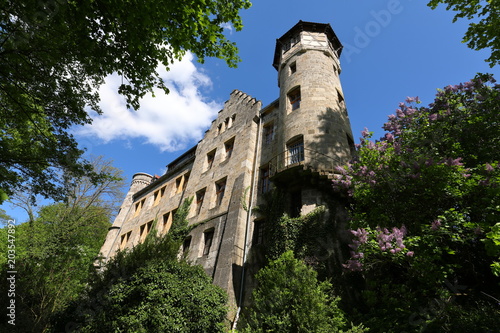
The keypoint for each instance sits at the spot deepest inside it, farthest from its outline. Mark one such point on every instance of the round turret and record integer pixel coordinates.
(315, 124)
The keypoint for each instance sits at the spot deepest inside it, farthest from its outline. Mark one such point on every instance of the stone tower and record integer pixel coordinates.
(311, 97)
(310, 121)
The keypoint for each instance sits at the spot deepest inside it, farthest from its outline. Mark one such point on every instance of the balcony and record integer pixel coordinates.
(297, 160)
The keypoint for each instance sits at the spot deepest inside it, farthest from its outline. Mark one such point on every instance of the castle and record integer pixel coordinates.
(248, 150)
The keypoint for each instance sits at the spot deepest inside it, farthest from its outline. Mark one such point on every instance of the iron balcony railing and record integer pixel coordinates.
(298, 155)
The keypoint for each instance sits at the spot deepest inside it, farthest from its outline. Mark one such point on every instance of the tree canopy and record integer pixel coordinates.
(484, 31)
(289, 298)
(55, 54)
(149, 289)
(56, 248)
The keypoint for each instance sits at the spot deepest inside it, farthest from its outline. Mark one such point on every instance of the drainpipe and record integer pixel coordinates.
(249, 216)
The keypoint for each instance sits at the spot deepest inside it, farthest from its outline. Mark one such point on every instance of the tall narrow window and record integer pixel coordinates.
(258, 232)
(158, 195)
(210, 159)
(138, 206)
(167, 222)
(208, 237)
(265, 183)
(220, 188)
(186, 178)
(186, 245)
(294, 98)
(178, 185)
(145, 229)
(229, 145)
(293, 68)
(352, 147)
(268, 133)
(124, 240)
(200, 196)
(295, 150)
(340, 98)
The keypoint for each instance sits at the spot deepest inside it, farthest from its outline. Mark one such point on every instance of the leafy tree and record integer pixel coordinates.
(289, 298)
(55, 54)
(56, 249)
(148, 289)
(4, 217)
(484, 32)
(425, 207)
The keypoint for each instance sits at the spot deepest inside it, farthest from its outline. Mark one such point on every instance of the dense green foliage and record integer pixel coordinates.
(55, 54)
(56, 248)
(54, 257)
(289, 298)
(148, 289)
(484, 31)
(425, 203)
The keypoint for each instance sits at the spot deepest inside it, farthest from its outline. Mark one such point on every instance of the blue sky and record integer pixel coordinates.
(392, 49)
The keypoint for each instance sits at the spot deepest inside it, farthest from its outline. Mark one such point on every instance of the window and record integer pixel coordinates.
(186, 245)
(200, 195)
(220, 188)
(219, 129)
(167, 222)
(208, 237)
(352, 147)
(186, 178)
(178, 185)
(340, 98)
(258, 232)
(124, 240)
(265, 183)
(181, 183)
(295, 150)
(145, 229)
(268, 132)
(293, 68)
(138, 206)
(227, 123)
(158, 195)
(210, 159)
(294, 98)
(229, 145)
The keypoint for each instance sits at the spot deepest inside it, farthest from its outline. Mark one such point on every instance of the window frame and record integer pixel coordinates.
(229, 148)
(269, 132)
(295, 151)
(208, 237)
(210, 159)
(200, 197)
(295, 98)
(220, 190)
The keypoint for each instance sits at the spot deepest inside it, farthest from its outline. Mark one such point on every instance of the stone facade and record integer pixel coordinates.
(249, 149)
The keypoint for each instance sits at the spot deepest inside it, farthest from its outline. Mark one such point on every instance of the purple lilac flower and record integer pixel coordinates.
(433, 116)
(436, 224)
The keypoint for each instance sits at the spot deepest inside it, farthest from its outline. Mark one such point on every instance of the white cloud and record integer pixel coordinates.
(170, 121)
(227, 26)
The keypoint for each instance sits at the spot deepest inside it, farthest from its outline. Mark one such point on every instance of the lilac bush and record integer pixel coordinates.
(424, 200)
